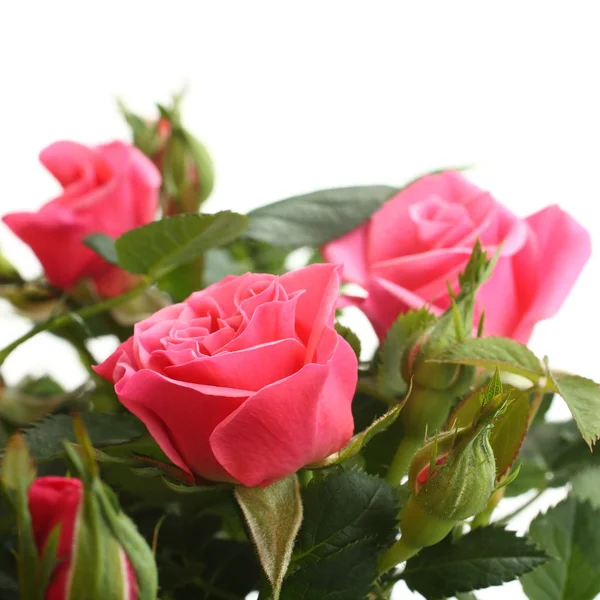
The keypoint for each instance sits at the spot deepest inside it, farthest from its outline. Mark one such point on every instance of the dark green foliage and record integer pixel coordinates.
(485, 557)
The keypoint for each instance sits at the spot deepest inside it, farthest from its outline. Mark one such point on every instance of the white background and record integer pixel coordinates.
(295, 96)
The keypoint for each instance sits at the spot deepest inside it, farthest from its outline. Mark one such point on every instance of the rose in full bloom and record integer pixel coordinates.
(246, 381)
(423, 237)
(56, 501)
(107, 189)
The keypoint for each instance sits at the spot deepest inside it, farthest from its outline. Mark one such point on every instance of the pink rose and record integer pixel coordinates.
(246, 381)
(108, 189)
(56, 501)
(422, 237)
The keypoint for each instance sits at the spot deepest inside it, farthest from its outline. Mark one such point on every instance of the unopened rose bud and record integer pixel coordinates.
(91, 561)
(187, 171)
(451, 478)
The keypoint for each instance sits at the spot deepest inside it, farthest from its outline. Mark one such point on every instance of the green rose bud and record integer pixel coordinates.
(451, 478)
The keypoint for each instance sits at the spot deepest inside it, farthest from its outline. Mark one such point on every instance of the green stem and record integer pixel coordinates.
(484, 517)
(400, 552)
(402, 459)
(65, 319)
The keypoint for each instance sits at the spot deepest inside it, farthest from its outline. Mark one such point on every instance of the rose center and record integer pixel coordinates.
(436, 218)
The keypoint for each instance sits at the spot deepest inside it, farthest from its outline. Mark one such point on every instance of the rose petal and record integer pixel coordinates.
(350, 251)
(41, 230)
(54, 500)
(72, 165)
(249, 369)
(316, 306)
(179, 417)
(393, 233)
(499, 298)
(298, 420)
(549, 265)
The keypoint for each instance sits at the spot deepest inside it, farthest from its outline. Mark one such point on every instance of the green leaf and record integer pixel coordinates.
(316, 218)
(49, 557)
(156, 248)
(218, 263)
(346, 574)
(485, 557)
(349, 518)
(510, 426)
(45, 438)
(18, 473)
(103, 245)
(18, 469)
(125, 532)
(493, 388)
(552, 454)
(360, 440)
(508, 433)
(273, 515)
(509, 356)
(344, 508)
(406, 326)
(583, 399)
(569, 533)
(350, 337)
(586, 486)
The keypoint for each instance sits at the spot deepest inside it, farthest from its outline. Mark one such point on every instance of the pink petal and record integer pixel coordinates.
(320, 284)
(549, 265)
(350, 251)
(270, 322)
(249, 369)
(180, 418)
(107, 369)
(291, 423)
(499, 298)
(41, 230)
(393, 233)
(72, 164)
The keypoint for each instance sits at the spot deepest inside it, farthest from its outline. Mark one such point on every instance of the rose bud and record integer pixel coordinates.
(186, 168)
(439, 217)
(107, 189)
(91, 563)
(246, 381)
(451, 479)
(453, 476)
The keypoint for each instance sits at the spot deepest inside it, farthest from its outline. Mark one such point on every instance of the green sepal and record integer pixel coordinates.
(105, 533)
(273, 515)
(18, 473)
(360, 440)
(49, 558)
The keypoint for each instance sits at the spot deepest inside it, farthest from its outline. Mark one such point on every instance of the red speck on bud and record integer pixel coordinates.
(424, 474)
(163, 127)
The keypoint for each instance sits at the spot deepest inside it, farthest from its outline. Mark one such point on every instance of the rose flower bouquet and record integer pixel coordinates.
(237, 443)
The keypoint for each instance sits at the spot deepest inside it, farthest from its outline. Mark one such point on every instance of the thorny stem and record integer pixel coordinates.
(401, 462)
(67, 318)
(400, 552)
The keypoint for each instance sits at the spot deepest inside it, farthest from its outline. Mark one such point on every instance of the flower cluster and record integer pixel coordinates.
(240, 385)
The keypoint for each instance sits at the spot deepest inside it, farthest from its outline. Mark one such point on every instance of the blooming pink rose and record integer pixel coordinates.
(423, 236)
(108, 189)
(55, 501)
(246, 381)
